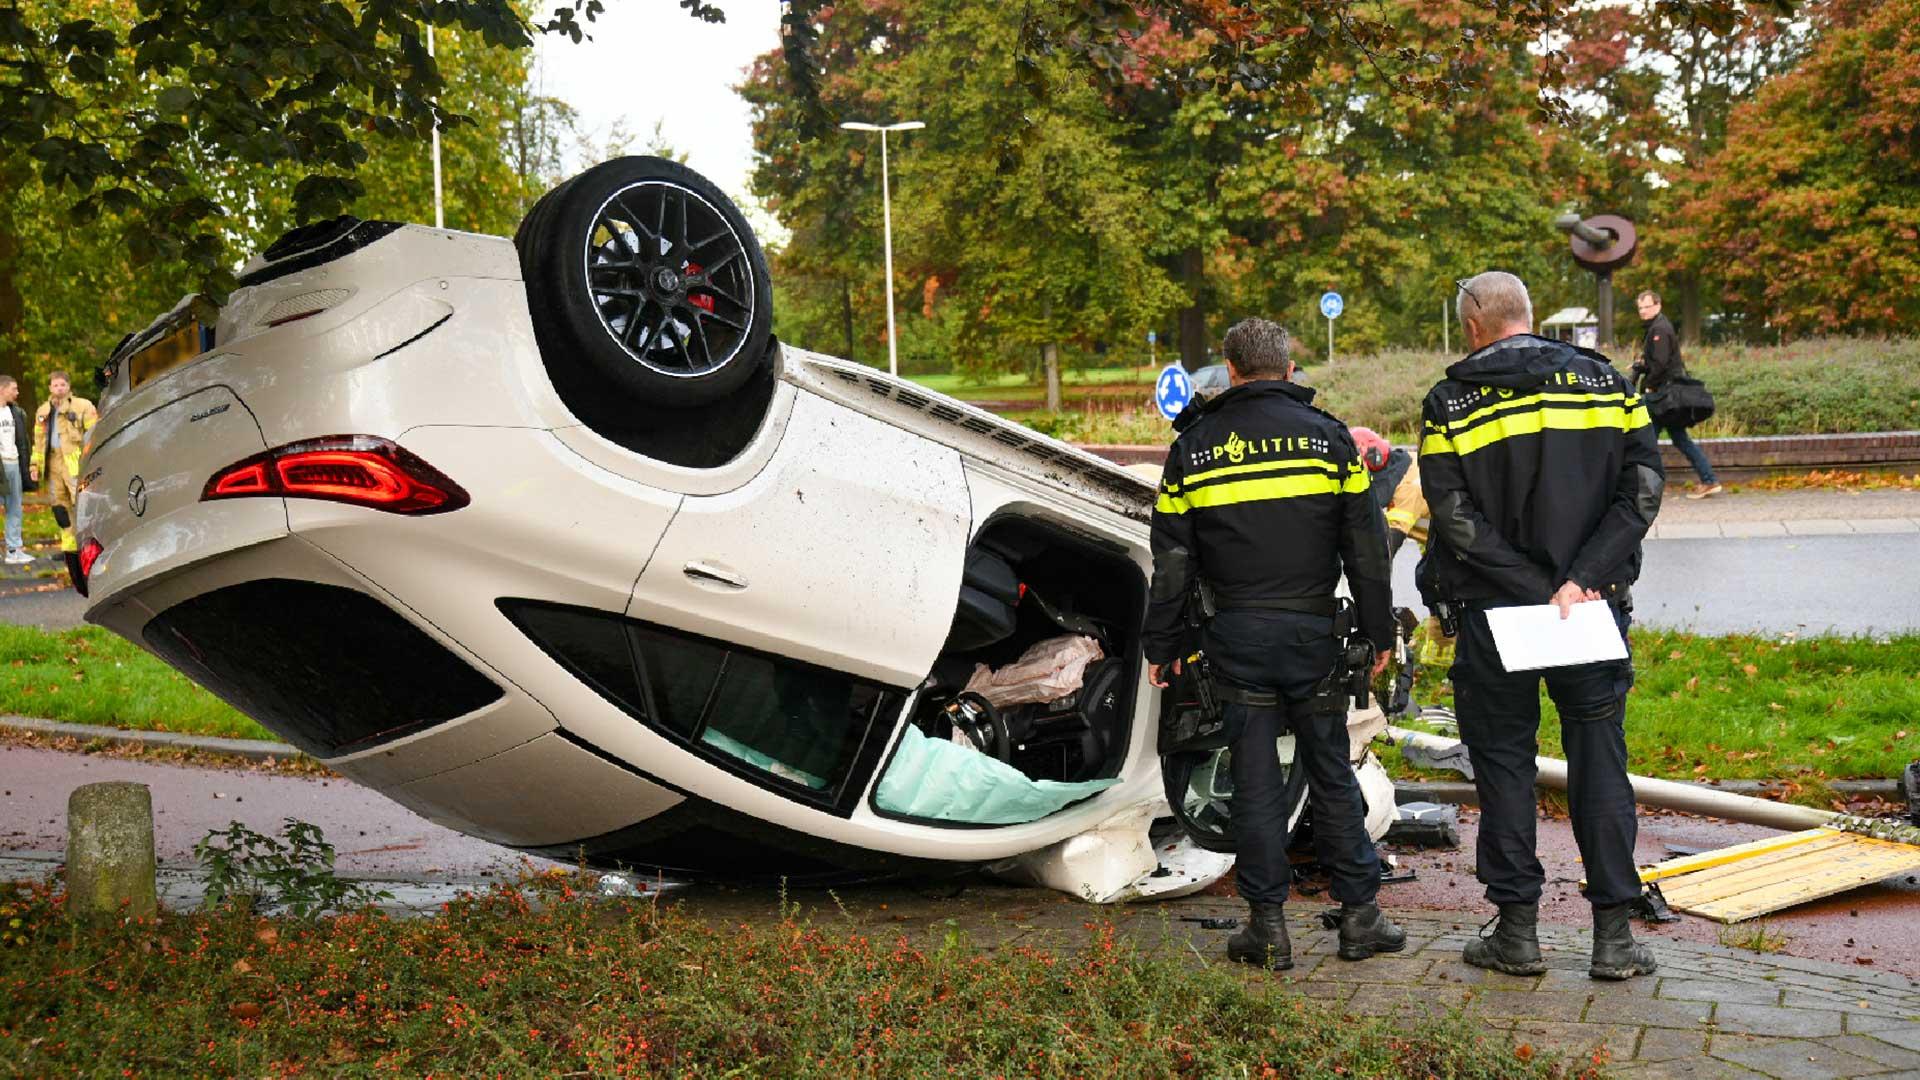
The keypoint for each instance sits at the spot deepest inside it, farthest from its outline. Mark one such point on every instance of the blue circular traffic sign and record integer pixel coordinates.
(1172, 390)
(1331, 305)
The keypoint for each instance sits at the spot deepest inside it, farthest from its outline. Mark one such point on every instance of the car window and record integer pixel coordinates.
(797, 724)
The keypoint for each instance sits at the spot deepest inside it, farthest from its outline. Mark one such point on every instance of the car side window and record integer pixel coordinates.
(800, 725)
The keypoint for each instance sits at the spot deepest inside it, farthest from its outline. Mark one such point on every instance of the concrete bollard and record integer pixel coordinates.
(110, 862)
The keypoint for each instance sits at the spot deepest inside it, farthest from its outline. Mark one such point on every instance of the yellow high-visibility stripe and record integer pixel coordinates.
(1264, 489)
(1436, 442)
(1532, 423)
(1171, 504)
(1263, 466)
(1615, 397)
(1401, 519)
(1357, 482)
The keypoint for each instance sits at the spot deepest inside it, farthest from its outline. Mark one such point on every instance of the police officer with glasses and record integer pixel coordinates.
(1263, 501)
(1541, 476)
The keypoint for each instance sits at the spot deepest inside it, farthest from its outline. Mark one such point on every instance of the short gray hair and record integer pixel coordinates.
(1257, 348)
(1495, 299)
(8, 380)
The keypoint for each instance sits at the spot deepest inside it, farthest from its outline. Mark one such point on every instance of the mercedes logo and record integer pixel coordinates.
(137, 496)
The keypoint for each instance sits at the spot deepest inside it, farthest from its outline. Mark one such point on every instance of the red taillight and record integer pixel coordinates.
(359, 469)
(89, 554)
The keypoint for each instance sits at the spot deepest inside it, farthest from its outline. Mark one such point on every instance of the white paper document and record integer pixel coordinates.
(1535, 636)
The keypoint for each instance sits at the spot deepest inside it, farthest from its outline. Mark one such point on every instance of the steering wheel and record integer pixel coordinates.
(976, 718)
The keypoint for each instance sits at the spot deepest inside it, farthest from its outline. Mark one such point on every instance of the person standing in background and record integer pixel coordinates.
(15, 448)
(1658, 366)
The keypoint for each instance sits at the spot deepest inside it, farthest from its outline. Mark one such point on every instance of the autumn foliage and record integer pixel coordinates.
(1812, 209)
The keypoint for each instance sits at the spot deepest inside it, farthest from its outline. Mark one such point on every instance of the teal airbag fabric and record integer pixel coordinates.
(942, 781)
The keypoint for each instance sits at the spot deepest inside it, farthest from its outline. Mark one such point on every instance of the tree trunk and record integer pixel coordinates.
(846, 316)
(1692, 319)
(1193, 317)
(13, 308)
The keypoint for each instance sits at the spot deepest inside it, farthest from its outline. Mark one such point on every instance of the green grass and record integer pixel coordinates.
(90, 676)
(1743, 707)
(498, 986)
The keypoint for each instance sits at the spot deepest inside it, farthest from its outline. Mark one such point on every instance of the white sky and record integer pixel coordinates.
(650, 61)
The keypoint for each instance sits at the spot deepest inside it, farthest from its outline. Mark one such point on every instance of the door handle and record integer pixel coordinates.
(708, 574)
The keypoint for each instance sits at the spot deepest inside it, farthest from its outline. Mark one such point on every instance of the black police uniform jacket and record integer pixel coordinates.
(1264, 497)
(1539, 466)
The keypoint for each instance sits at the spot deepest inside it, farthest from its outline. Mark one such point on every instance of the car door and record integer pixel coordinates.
(844, 551)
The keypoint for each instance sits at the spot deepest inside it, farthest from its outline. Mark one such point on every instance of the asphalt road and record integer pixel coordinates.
(1860, 584)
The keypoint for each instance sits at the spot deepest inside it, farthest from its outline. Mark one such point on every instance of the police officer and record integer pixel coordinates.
(1541, 474)
(1264, 498)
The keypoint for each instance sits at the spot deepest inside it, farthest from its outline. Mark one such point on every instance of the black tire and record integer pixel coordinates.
(642, 272)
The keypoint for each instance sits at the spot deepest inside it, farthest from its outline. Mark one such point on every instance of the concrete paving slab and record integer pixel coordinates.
(1885, 525)
(1686, 530)
(1775, 1020)
(1893, 1057)
(1749, 529)
(1721, 990)
(1793, 1059)
(1819, 527)
(1668, 1044)
(1907, 1037)
(1616, 1040)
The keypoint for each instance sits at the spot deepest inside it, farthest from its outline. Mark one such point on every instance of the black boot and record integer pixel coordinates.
(1264, 941)
(1514, 946)
(1616, 955)
(1365, 930)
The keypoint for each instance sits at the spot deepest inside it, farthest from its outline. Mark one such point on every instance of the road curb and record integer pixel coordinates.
(1461, 793)
(251, 749)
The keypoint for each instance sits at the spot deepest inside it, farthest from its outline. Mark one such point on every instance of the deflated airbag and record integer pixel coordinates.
(939, 781)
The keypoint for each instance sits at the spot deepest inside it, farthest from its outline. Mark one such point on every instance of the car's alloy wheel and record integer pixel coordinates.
(670, 279)
(642, 275)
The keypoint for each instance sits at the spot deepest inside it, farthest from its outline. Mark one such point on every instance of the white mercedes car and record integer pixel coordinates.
(549, 540)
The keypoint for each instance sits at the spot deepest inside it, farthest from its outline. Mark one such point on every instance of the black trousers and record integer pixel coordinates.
(1499, 715)
(1288, 654)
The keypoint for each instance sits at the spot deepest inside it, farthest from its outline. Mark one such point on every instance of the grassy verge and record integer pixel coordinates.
(1742, 707)
(496, 986)
(1019, 387)
(89, 676)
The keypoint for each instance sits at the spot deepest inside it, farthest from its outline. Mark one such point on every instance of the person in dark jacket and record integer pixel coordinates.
(1265, 499)
(1659, 365)
(1541, 476)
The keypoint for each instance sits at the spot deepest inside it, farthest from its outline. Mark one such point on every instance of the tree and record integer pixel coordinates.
(69, 291)
(1662, 80)
(1811, 210)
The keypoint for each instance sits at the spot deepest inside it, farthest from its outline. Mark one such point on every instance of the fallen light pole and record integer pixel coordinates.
(1665, 794)
(1601, 244)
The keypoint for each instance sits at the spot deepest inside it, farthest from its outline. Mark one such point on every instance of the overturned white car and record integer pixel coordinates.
(550, 541)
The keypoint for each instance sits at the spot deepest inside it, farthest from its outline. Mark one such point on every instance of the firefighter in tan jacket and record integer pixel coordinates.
(57, 447)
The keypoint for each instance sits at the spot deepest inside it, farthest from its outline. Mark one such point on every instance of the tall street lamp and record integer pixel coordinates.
(886, 218)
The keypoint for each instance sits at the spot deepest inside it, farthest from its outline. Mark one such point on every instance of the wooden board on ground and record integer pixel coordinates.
(1749, 880)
